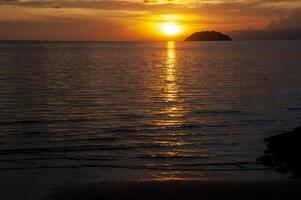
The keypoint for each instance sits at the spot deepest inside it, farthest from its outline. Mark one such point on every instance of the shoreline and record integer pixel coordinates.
(149, 190)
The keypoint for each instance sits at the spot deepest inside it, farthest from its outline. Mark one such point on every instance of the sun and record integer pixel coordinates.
(171, 28)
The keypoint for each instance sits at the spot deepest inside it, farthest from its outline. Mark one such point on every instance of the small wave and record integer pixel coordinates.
(22, 122)
(192, 126)
(151, 157)
(122, 129)
(219, 112)
(65, 158)
(80, 148)
(160, 168)
(83, 140)
(159, 136)
(261, 121)
(149, 128)
(240, 163)
(130, 116)
(49, 121)
(297, 109)
(31, 134)
(136, 129)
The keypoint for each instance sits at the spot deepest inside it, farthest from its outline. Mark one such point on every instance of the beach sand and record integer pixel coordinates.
(87, 183)
(186, 190)
(71, 185)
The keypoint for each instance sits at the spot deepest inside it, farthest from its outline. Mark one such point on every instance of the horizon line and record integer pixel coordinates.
(91, 41)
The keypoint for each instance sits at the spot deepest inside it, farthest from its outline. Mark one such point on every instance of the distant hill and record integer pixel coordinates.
(208, 36)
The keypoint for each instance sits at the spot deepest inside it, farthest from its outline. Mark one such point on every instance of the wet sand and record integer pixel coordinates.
(205, 190)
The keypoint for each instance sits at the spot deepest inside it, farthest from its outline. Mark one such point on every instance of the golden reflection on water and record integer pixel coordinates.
(171, 87)
(174, 110)
(174, 176)
(172, 114)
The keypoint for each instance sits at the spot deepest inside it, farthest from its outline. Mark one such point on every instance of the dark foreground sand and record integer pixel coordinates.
(186, 190)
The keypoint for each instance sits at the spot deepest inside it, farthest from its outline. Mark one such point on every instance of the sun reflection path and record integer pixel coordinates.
(172, 116)
(171, 87)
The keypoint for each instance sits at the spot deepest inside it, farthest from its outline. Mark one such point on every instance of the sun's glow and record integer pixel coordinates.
(170, 28)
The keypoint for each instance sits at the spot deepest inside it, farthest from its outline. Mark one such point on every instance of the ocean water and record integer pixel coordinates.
(136, 111)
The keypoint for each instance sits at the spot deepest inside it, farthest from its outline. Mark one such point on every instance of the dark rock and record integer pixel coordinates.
(208, 36)
(284, 152)
(266, 160)
(281, 170)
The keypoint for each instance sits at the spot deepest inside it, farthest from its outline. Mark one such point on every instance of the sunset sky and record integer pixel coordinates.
(142, 20)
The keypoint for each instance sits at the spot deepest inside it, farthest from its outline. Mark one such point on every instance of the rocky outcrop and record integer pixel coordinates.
(284, 152)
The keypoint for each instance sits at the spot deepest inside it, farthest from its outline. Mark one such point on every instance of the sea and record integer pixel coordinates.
(128, 111)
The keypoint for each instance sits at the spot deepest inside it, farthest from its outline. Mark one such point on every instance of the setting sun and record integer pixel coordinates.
(170, 28)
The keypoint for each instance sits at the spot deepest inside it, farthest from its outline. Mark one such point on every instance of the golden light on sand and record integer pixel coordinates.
(170, 28)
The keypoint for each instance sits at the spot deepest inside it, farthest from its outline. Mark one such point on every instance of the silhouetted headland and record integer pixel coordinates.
(208, 36)
(284, 152)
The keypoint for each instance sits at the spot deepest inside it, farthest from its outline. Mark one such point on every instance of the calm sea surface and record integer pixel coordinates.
(171, 110)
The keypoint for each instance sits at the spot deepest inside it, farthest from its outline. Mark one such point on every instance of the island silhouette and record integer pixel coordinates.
(208, 36)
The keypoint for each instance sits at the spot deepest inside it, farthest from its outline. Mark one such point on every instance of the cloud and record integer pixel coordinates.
(63, 29)
(228, 5)
(80, 16)
(285, 27)
(289, 22)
